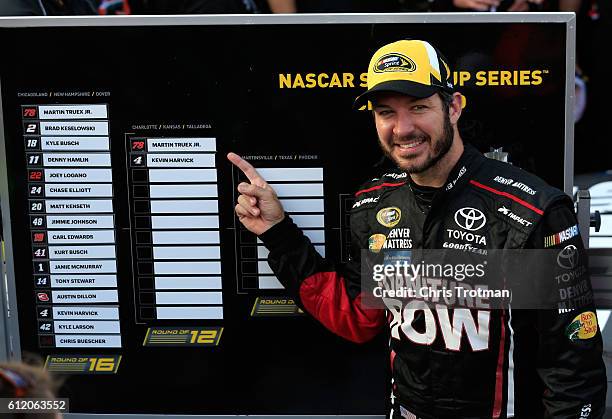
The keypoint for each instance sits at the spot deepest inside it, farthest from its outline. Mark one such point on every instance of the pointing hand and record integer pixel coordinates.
(258, 207)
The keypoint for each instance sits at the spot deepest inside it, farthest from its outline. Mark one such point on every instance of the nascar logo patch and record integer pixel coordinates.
(561, 236)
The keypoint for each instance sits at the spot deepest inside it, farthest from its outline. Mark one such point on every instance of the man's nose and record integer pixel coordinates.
(404, 125)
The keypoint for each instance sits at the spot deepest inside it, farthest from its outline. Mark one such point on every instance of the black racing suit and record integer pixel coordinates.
(523, 363)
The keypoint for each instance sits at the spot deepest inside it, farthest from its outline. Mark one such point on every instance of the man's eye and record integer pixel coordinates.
(419, 107)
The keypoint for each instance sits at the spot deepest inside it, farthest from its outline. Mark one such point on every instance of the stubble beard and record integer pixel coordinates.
(440, 149)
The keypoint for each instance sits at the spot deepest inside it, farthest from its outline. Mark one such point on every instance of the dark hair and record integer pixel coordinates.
(447, 99)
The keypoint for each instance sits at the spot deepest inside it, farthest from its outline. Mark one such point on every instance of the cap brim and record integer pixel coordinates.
(404, 87)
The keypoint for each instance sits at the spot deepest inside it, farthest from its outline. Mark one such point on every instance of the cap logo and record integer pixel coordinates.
(394, 62)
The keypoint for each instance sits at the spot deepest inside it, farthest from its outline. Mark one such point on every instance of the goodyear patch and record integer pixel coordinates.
(394, 62)
(83, 364)
(183, 336)
(584, 326)
(275, 307)
(376, 242)
(389, 217)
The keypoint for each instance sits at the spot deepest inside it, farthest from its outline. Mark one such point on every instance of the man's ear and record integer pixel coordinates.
(455, 108)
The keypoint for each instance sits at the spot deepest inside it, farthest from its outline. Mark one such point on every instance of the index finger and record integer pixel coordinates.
(488, 2)
(247, 168)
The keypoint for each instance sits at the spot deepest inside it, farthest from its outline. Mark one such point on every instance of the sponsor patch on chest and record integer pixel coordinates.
(389, 217)
(514, 217)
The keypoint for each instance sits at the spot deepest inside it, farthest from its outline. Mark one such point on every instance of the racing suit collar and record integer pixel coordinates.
(469, 161)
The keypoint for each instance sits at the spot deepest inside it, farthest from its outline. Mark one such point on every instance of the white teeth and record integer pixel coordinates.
(411, 145)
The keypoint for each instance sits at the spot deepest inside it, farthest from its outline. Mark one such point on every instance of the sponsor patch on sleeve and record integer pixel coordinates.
(584, 326)
(561, 236)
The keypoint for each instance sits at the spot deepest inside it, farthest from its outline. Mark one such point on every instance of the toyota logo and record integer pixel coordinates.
(568, 257)
(470, 219)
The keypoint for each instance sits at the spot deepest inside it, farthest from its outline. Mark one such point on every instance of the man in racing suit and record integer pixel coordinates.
(447, 362)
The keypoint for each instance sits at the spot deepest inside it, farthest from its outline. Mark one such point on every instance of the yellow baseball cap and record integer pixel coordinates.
(410, 67)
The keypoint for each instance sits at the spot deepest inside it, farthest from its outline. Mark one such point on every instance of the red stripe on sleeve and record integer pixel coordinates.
(324, 296)
(382, 185)
(508, 195)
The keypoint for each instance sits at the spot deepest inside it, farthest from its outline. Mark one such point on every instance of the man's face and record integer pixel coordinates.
(415, 133)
